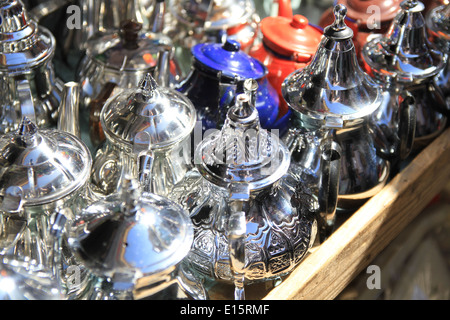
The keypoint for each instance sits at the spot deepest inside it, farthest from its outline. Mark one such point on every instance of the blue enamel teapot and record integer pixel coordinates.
(217, 74)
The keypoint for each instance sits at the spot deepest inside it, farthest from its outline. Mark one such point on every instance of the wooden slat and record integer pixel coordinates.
(329, 269)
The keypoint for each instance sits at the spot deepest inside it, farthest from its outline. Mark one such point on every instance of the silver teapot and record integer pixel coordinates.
(333, 98)
(438, 25)
(189, 23)
(27, 81)
(405, 58)
(253, 220)
(42, 172)
(148, 132)
(121, 57)
(133, 244)
(97, 17)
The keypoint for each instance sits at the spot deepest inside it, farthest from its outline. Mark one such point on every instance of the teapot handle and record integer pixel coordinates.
(438, 96)
(407, 125)
(69, 107)
(145, 159)
(330, 169)
(237, 231)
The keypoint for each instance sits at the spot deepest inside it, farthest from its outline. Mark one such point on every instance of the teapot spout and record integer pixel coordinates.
(69, 109)
(330, 164)
(156, 22)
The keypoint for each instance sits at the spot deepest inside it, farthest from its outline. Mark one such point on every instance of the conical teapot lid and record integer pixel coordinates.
(438, 23)
(333, 90)
(227, 58)
(127, 50)
(404, 53)
(243, 152)
(129, 235)
(23, 44)
(165, 114)
(42, 165)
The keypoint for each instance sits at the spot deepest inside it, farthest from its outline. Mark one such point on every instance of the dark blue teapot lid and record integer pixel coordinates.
(229, 59)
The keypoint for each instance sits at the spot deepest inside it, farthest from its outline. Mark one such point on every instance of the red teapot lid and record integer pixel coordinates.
(291, 36)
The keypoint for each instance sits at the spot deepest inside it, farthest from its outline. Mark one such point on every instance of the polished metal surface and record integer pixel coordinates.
(243, 173)
(29, 86)
(149, 118)
(405, 58)
(404, 53)
(134, 240)
(438, 24)
(333, 98)
(123, 58)
(189, 23)
(69, 110)
(43, 165)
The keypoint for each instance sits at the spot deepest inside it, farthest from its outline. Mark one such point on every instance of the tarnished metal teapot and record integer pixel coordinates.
(253, 220)
(148, 130)
(133, 243)
(405, 58)
(333, 98)
(28, 84)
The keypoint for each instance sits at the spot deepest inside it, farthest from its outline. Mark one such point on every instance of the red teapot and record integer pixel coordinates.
(289, 42)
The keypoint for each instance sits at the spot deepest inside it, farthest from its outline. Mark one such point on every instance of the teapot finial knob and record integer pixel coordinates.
(27, 131)
(412, 6)
(339, 29)
(148, 83)
(340, 12)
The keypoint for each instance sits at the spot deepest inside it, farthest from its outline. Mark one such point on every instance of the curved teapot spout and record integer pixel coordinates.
(145, 157)
(328, 187)
(156, 21)
(237, 231)
(407, 125)
(285, 8)
(69, 109)
(162, 70)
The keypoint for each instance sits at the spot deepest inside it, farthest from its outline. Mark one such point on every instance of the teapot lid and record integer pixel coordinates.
(229, 59)
(291, 36)
(404, 53)
(243, 153)
(127, 50)
(326, 93)
(131, 235)
(438, 23)
(23, 44)
(166, 115)
(212, 14)
(42, 166)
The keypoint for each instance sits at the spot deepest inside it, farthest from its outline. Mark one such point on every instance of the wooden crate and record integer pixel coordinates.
(331, 266)
(328, 270)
